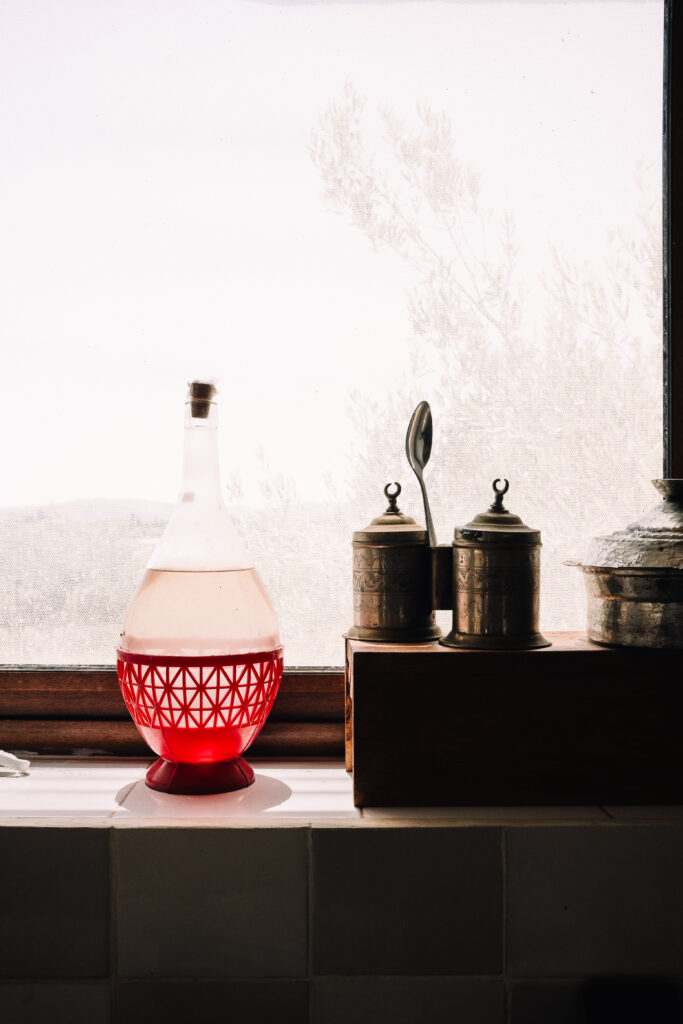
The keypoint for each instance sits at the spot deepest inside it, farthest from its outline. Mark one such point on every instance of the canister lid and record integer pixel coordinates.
(392, 527)
(654, 542)
(497, 525)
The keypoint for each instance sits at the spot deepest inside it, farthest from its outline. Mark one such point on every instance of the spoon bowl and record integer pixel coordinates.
(418, 450)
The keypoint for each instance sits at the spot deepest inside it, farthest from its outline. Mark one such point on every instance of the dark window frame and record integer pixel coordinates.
(673, 240)
(71, 709)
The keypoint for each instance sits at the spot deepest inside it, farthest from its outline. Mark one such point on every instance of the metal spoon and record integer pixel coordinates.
(418, 450)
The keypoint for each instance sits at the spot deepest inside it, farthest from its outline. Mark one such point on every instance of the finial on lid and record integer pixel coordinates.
(498, 505)
(393, 498)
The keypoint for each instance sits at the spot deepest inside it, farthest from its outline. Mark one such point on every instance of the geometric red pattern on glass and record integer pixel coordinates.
(199, 692)
(199, 709)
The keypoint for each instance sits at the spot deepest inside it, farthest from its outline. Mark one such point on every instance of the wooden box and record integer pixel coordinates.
(575, 723)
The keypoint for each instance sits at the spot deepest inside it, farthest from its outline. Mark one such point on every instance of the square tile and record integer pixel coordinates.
(54, 902)
(559, 1002)
(600, 900)
(407, 1001)
(210, 902)
(407, 901)
(178, 1002)
(50, 1003)
(633, 1000)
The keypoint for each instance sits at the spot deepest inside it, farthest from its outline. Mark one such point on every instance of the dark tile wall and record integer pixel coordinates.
(211, 902)
(406, 901)
(54, 903)
(55, 1002)
(606, 901)
(406, 1000)
(526, 924)
(546, 1002)
(181, 1002)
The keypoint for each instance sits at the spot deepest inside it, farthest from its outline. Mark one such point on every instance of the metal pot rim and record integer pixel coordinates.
(629, 570)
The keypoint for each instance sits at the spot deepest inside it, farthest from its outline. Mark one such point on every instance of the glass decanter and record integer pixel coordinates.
(200, 661)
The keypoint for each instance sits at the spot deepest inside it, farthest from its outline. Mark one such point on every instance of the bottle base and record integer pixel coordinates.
(197, 779)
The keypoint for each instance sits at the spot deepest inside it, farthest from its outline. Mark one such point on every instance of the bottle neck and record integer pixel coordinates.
(201, 482)
(200, 536)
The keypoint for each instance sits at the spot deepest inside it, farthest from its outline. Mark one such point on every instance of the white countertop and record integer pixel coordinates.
(111, 792)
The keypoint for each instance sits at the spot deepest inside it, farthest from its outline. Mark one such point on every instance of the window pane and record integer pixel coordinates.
(338, 210)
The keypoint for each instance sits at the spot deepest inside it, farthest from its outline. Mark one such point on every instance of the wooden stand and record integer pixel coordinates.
(575, 723)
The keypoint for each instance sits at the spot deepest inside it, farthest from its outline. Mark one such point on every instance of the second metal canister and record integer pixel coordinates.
(496, 582)
(392, 579)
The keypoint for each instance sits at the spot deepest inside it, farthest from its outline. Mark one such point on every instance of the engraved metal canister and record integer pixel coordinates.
(392, 579)
(496, 582)
(634, 577)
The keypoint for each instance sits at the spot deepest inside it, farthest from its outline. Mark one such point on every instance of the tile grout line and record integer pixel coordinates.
(504, 866)
(504, 861)
(279, 978)
(172, 979)
(113, 924)
(309, 919)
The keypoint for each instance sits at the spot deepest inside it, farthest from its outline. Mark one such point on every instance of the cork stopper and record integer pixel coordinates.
(201, 397)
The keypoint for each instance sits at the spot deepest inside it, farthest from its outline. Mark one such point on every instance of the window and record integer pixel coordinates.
(338, 210)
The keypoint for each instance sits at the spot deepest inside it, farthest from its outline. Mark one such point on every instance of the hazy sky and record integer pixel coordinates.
(160, 215)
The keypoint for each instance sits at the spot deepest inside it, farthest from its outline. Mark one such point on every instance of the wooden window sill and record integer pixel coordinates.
(81, 710)
(71, 711)
(106, 792)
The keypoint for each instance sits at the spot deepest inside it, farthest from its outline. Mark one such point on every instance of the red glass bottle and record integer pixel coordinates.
(200, 660)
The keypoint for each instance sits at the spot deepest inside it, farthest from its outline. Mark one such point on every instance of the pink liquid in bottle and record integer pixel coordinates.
(200, 660)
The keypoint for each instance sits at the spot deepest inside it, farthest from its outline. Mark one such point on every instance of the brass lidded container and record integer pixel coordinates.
(634, 577)
(496, 582)
(392, 589)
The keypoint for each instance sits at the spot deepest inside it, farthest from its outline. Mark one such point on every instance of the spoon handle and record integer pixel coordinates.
(428, 515)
